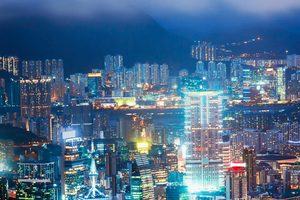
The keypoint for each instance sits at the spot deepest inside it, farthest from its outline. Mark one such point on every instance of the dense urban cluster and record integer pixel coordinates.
(228, 129)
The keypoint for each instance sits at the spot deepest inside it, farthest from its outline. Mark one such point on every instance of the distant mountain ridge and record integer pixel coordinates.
(84, 43)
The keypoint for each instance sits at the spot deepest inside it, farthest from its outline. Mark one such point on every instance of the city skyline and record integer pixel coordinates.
(149, 100)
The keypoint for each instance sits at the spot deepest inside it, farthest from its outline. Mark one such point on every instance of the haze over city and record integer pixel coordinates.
(149, 100)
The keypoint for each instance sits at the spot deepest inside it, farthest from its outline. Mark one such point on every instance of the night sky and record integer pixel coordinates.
(83, 31)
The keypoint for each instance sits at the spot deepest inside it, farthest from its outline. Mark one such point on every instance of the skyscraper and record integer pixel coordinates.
(32, 69)
(281, 86)
(204, 51)
(164, 74)
(249, 158)
(236, 79)
(35, 97)
(112, 63)
(200, 70)
(55, 70)
(3, 188)
(203, 126)
(142, 187)
(293, 60)
(9, 64)
(94, 84)
(142, 73)
(36, 180)
(154, 74)
(93, 192)
(236, 182)
(75, 167)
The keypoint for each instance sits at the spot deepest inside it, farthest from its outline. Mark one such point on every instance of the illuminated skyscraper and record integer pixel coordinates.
(112, 63)
(142, 73)
(93, 192)
(142, 187)
(204, 51)
(293, 60)
(200, 70)
(3, 188)
(281, 90)
(35, 97)
(203, 127)
(32, 69)
(154, 74)
(75, 167)
(36, 180)
(10, 64)
(236, 79)
(247, 80)
(164, 74)
(249, 158)
(35, 103)
(236, 182)
(94, 83)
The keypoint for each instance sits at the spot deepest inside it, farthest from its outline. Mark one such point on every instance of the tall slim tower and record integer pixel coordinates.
(236, 182)
(203, 127)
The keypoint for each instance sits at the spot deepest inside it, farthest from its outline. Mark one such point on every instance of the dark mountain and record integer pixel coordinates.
(83, 43)
(279, 32)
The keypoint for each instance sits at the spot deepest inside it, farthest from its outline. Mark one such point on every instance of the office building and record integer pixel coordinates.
(76, 159)
(249, 158)
(236, 182)
(203, 127)
(94, 84)
(141, 183)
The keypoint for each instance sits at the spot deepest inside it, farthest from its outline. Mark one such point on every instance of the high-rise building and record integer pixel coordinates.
(93, 191)
(249, 158)
(118, 79)
(247, 80)
(281, 86)
(36, 180)
(141, 182)
(293, 89)
(32, 69)
(35, 97)
(236, 79)
(94, 84)
(9, 64)
(75, 166)
(9, 91)
(204, 51)
(203, 127)
(236, 182)
(200, 70)
(55, 70)
(3, 188)
(293, 60)
(154, 74)
(112, 63)
(164, 74)
(142, 74)
(129, 79)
